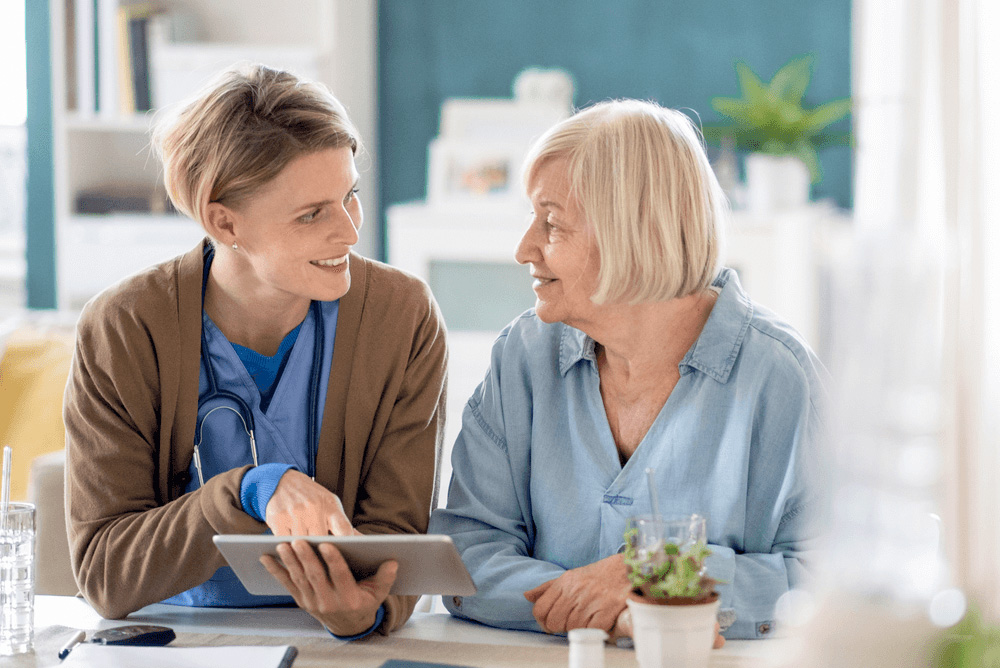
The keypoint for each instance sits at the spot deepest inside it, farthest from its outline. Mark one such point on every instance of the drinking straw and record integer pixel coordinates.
(5, 485)
(654, 501)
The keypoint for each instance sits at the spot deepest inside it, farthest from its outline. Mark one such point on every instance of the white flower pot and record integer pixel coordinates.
(673, 636)
(775, 182)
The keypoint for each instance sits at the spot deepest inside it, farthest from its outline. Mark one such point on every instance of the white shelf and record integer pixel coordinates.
(93, 151)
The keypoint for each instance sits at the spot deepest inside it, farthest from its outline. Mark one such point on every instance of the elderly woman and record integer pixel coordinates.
(270, 378)
(640, 353)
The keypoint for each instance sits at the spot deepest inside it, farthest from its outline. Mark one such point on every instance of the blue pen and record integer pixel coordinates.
(77, 638)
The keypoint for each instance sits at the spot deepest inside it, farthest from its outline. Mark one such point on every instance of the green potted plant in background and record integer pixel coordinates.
(779, 135)
(673, 602)
(972, 642)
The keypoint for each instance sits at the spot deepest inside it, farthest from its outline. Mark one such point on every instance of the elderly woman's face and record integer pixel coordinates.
(560, 248)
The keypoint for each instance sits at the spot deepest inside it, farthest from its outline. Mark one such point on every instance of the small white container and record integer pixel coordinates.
(673, 636)
(586, 648)
(775, 183)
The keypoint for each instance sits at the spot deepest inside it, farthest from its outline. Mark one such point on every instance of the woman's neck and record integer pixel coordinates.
(640, 343)
(247, 313)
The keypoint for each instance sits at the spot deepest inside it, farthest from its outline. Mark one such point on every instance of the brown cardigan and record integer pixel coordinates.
(130, 411)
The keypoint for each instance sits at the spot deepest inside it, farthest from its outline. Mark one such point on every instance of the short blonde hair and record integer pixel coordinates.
(241, 131)
(643, 182)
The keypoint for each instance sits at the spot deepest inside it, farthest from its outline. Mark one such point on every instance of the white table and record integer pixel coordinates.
(426, 637)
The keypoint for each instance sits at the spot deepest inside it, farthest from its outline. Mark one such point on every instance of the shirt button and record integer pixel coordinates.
(764, 629)
(457, 601)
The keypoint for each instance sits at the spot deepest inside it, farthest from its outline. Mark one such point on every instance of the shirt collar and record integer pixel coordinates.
(714, 353)
(573, 347)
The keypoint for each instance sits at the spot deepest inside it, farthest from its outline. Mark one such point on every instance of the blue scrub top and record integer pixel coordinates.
(282, 431)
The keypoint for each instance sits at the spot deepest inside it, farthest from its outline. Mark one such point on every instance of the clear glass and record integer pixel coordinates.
(17, 579)
(652, 532)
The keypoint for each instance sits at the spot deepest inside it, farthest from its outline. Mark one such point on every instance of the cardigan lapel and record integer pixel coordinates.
(182, 397)
(333, 436)
(176, 459)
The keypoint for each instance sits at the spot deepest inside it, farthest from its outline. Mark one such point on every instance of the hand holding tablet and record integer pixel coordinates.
(321, 583)
(426, 564)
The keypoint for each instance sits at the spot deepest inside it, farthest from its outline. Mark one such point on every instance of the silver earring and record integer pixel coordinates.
(235, 247)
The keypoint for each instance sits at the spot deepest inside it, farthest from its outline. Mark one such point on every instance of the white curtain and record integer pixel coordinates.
(927, 77)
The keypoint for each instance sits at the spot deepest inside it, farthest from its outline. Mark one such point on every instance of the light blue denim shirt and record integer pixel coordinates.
(538, 487)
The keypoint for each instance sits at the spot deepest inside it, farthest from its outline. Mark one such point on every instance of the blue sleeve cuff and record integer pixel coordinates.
(379, 616)
(258, 486)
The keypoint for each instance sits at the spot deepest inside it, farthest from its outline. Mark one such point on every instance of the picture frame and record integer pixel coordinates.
(474, 170)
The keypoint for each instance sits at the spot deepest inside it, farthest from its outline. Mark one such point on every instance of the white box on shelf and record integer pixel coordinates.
(475, 231)
(483, 231)
(780, 257)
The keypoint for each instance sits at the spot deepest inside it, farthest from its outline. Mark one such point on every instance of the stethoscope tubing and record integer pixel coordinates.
(245, 413)
(201, 435)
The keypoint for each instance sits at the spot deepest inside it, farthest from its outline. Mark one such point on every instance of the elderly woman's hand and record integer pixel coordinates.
(591, 596)
(326, 589)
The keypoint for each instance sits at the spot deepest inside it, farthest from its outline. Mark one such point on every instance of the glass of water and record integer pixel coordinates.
(648, 534)
(17, 578)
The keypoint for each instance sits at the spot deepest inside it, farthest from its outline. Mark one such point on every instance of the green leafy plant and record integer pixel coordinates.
(769, 118)
(969, 644)
(669, 572)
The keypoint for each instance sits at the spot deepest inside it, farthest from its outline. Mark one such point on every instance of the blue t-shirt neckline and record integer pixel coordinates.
(265, 370)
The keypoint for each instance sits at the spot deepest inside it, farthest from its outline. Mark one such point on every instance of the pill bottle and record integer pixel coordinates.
(586, 648)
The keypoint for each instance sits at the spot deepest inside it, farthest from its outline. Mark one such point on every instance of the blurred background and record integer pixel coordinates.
(852, 138)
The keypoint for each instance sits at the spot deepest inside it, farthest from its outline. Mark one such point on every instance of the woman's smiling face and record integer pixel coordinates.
(560, 247)
(297, 231)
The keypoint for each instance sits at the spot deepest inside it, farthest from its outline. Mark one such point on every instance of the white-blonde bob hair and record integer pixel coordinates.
(640, 176)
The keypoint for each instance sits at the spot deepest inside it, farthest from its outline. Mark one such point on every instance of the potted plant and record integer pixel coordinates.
(972, 642)
(781, 136)
(673, 602)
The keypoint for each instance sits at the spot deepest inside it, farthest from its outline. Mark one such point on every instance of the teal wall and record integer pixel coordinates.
(40, 206)
(678, 52)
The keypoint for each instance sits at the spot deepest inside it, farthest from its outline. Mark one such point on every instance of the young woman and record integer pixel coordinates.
(268, 379)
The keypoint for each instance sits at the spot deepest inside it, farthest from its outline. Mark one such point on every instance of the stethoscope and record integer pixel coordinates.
(243, 410)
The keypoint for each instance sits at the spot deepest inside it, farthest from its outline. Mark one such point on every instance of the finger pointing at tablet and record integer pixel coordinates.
(301, 507)
(338, 523)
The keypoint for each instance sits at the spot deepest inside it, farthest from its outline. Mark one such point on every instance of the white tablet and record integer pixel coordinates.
(428, 564)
